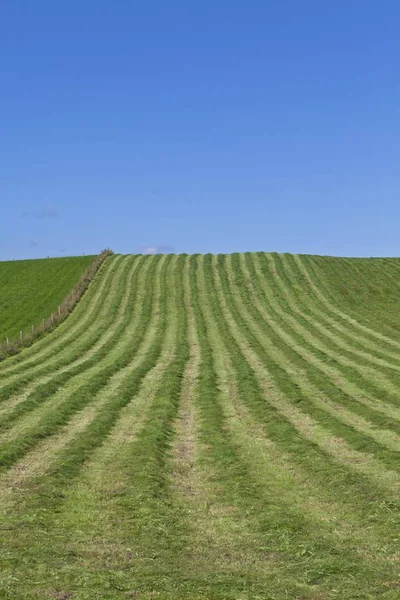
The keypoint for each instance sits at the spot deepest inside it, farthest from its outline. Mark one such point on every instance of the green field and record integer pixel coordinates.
(30, 290)
(208, 427)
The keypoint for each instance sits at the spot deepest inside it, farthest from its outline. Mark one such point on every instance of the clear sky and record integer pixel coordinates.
(212, 126)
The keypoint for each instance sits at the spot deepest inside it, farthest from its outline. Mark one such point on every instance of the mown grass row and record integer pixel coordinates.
(85, 385)
(357, 293)
(279, 429)
(310, 381)
(290, 544)
(87, 314)
(32, 289)
(309, 307)
(59, 313)
(94, 435)
(200, 428)
(357, 384)
(58, 370)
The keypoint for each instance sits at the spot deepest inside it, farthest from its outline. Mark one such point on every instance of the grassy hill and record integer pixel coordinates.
(208, 427)
(30, 290)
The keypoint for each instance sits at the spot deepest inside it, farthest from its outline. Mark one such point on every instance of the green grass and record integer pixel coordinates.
(208, 428)
(30, 290)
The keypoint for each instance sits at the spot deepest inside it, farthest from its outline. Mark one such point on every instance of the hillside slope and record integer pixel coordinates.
(30, 290)
(208, 427)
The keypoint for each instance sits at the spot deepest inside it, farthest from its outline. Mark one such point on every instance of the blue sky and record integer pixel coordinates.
(199, 127)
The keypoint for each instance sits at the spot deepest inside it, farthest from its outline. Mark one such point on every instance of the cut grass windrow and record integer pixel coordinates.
(86, 386)
(43, 388)
(356, 388)
(310, 382)
(20, 386)
(272, 373)
(344, 317)
(208, 428)
(87, 314)
(292, 541)
(301, 299)
(116, 314)
(152, 440)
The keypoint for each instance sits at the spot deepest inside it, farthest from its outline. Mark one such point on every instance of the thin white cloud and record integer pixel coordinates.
(157, 250)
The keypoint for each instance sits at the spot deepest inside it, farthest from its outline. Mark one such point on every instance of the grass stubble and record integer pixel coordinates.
(205, 428)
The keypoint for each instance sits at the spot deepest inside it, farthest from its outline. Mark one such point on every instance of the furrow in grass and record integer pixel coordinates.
(42, 389)
(325, 355)
(318, 320)
(269, 414)
(116, 316)
(345, 378)
(130, 374)
(309, 380)
(80, 320)
(46, 454)
(139, 507)
(323, 507)
(57, 357)
(184, 446)
(313, 498)
(132, 415)
(91, 337)
(213, 548)
(66, 402)
(307, 304)
(337, 478)
(364, 289)
(332, 308)
(288, 532)
(373, 401)
(159, 335)
(362, 462)
(230, 539)
(263, 502)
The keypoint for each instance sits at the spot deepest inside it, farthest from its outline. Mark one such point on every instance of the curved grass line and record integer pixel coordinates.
(84, 316)
(282, 523)
(364, 463)
(67, 405)
(148, 449)
(344, 316)
(311, 388)
(106, 333)
(50, 362)
(288, 272)
(53, 450)
(373, 400)
(59, 378)
(328, 327)
(92, 341)
(306, 452)
(351, 381)
(266, 460)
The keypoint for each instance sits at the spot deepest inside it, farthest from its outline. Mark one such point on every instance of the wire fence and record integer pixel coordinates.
(26, 338)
